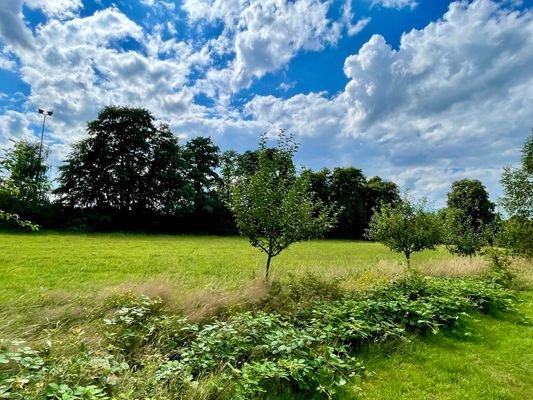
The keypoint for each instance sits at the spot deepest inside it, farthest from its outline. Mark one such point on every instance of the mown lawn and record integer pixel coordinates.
(44, 275)
(493, 361)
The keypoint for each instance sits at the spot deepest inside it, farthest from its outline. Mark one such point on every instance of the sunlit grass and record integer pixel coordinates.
(493, 361)
(35, 264)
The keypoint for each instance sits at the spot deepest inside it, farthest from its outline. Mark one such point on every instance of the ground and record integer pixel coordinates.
(49, 277)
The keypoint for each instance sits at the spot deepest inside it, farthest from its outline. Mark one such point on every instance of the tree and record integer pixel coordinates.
(8, 188)
(24, 166)
(471, 197)
(348, 191)
(127, 164)
(517, 200)
(461, 236)
(469, 218)
(274, 207)
(406, 227)
(518, 185)
(202, 158)
(379, 193)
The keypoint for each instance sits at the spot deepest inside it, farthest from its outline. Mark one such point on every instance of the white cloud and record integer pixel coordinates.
(56, 8)
(452, 101)
(398, 4)
(6, 62)
(347, 17)
(309, 115)
(13, 31)
(267, 34)
(14, 124)
(100, 29)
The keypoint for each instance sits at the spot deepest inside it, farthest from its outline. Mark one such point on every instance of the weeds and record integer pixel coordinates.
(304, 338)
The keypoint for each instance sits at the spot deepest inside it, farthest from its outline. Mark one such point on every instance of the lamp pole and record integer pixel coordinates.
(45, 113)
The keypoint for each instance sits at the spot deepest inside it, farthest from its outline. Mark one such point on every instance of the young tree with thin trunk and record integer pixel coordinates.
(406, 227)
(273, 206)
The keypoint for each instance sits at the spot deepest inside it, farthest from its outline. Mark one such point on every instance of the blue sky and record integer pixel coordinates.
(422, 92)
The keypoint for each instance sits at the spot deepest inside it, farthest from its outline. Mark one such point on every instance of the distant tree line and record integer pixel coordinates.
(132, 174)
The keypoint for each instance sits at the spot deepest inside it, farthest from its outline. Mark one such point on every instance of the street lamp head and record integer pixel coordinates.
(49, 113)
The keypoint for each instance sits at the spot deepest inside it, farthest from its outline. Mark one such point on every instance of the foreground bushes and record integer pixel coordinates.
(145, 352)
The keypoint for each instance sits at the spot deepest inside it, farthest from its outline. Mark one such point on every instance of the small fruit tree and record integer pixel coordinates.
(273, 206)
(406, 227)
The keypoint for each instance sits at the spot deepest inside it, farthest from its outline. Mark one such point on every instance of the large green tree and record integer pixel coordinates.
(126, 164)
(348, 191)
(469, 218)
(274, 207)
(356, 197)
(406, 227)
(471, 197)
(202, 158)
(380, 192)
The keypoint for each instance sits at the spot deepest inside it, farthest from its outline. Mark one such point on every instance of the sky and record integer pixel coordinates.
(421, 92)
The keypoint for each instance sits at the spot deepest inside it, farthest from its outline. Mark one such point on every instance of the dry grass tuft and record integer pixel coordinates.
(201, 304)
(197, 304)
(161, 288)
(522, 268)
(455, 267)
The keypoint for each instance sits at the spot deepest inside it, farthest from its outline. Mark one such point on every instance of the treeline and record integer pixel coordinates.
(132, 174)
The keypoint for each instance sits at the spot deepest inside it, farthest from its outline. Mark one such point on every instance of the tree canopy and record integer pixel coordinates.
(469, 218)
(126, 164)
(24, 168)
(517, 185)
(517, 200)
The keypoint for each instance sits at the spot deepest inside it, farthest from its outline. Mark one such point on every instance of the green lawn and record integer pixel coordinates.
(44, 273)
(77, 263)
(495, 361)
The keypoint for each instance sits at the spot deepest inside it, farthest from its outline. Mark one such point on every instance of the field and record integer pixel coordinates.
(47, 275)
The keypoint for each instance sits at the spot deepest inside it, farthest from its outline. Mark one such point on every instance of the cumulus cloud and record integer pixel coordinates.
(56, 8)
(452, 101)
(14, 124)
(13, 31)
(266, 35)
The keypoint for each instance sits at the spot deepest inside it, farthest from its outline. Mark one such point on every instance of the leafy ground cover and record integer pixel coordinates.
(145, 352)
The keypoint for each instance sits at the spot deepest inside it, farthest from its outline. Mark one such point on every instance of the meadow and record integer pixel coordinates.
(50, 280)
(46, 262)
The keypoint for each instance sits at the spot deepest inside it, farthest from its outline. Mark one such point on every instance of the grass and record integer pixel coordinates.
(494, 361)
(44, 276)
(46, 262)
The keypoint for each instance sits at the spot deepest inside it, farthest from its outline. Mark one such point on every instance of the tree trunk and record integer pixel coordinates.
(267, 272)
(408, 258)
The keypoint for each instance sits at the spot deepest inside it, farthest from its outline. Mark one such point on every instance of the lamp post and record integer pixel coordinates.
(45, 113)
